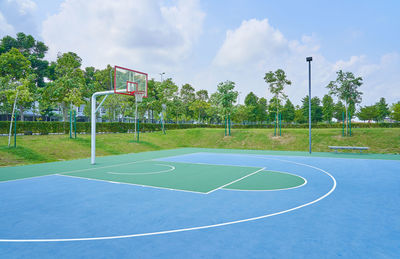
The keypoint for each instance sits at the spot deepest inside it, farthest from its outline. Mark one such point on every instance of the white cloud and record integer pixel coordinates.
(250, 41)
(153, 36)
(144, 34)
(256, 47)
(5, 28)
(24, 6)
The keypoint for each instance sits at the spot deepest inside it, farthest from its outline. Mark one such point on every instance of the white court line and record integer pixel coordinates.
(26, 178)
(283, 189)
(191, 228)
(259, 170)
(187, 229)
(199, 163)
(80, 170)
(133, 184)
(157, 172)
(108, 166)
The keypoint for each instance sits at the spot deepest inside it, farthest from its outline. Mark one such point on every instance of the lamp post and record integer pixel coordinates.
(161, 75)
(309, 59)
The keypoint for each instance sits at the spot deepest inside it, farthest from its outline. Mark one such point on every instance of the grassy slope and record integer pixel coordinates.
(37, 149)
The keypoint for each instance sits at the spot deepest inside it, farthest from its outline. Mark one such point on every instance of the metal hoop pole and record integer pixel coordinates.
(93, 123)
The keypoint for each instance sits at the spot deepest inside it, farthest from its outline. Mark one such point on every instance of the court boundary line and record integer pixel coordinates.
(79, 170)
(26, 178)
(250, 174)
(133, 184)
(199, 163)
(191, 228)
(128, 163)
(282, 189)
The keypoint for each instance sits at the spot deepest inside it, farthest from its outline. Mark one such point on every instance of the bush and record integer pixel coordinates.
(48, 127)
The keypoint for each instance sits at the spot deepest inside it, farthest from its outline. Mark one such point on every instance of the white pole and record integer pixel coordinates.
(93, 124)
(12, 116)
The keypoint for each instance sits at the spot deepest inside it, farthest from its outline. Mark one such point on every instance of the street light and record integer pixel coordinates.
(309, 59)
(161, 74)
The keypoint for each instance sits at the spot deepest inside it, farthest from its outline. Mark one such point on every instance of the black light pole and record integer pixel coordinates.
(161, 74)
(309, 59)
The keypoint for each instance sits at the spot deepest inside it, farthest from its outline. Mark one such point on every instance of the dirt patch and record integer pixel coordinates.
(284, 139)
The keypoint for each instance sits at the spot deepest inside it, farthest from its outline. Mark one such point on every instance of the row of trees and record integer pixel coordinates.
(64, 84)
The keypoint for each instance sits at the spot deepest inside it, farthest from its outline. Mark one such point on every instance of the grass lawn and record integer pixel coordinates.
(38, 149)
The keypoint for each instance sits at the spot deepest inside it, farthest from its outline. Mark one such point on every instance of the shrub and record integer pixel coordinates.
(46, 127)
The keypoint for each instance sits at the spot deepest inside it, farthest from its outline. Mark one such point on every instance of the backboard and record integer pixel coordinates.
(128, 81)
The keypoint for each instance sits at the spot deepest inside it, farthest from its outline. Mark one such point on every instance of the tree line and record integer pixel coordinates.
(44, 87)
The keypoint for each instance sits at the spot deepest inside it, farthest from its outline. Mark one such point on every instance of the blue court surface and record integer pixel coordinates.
(203, 203)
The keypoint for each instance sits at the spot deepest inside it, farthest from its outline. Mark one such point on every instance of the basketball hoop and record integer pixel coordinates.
(139, 96)
(130, 82)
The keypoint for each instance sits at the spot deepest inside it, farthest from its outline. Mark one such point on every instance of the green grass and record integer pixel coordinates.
(48, 148)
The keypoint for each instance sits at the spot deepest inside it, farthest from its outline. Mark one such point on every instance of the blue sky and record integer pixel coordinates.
(207, 42)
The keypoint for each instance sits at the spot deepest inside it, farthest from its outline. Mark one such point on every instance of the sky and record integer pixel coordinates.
(207, 42)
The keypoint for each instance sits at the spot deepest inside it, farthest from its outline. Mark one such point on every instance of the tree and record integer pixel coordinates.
(114, 106)
(328, 107)
(288, 111)
(188, 95)
(395, 112)
(299, 115)
(69, 84)
(226, 96)
(316, 109)
(382, 109)
(200, 105)
(163, 93)
(14, 66)
(251, 99)
(175, 108)
(345, 87)
(202, 95)
(338, 111)
(240, 114)
(33, 50)
(214, 110)
(262, 108)
(16, 76)
(277, 82)
(273, 107)
(251, 104)
(368, 113)
(97, 80)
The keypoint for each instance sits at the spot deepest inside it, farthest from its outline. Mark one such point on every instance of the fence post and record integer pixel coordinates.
(229, 123)
(70, 124)
(349, 123)
(225, 125)
(343, 124)
(75, 122)
(137, 130)
(15, 129)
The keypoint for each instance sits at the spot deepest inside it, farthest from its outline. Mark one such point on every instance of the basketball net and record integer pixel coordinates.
(138, 97)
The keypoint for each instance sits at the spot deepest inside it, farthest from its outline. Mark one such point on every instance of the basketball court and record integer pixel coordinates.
(194, 202)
